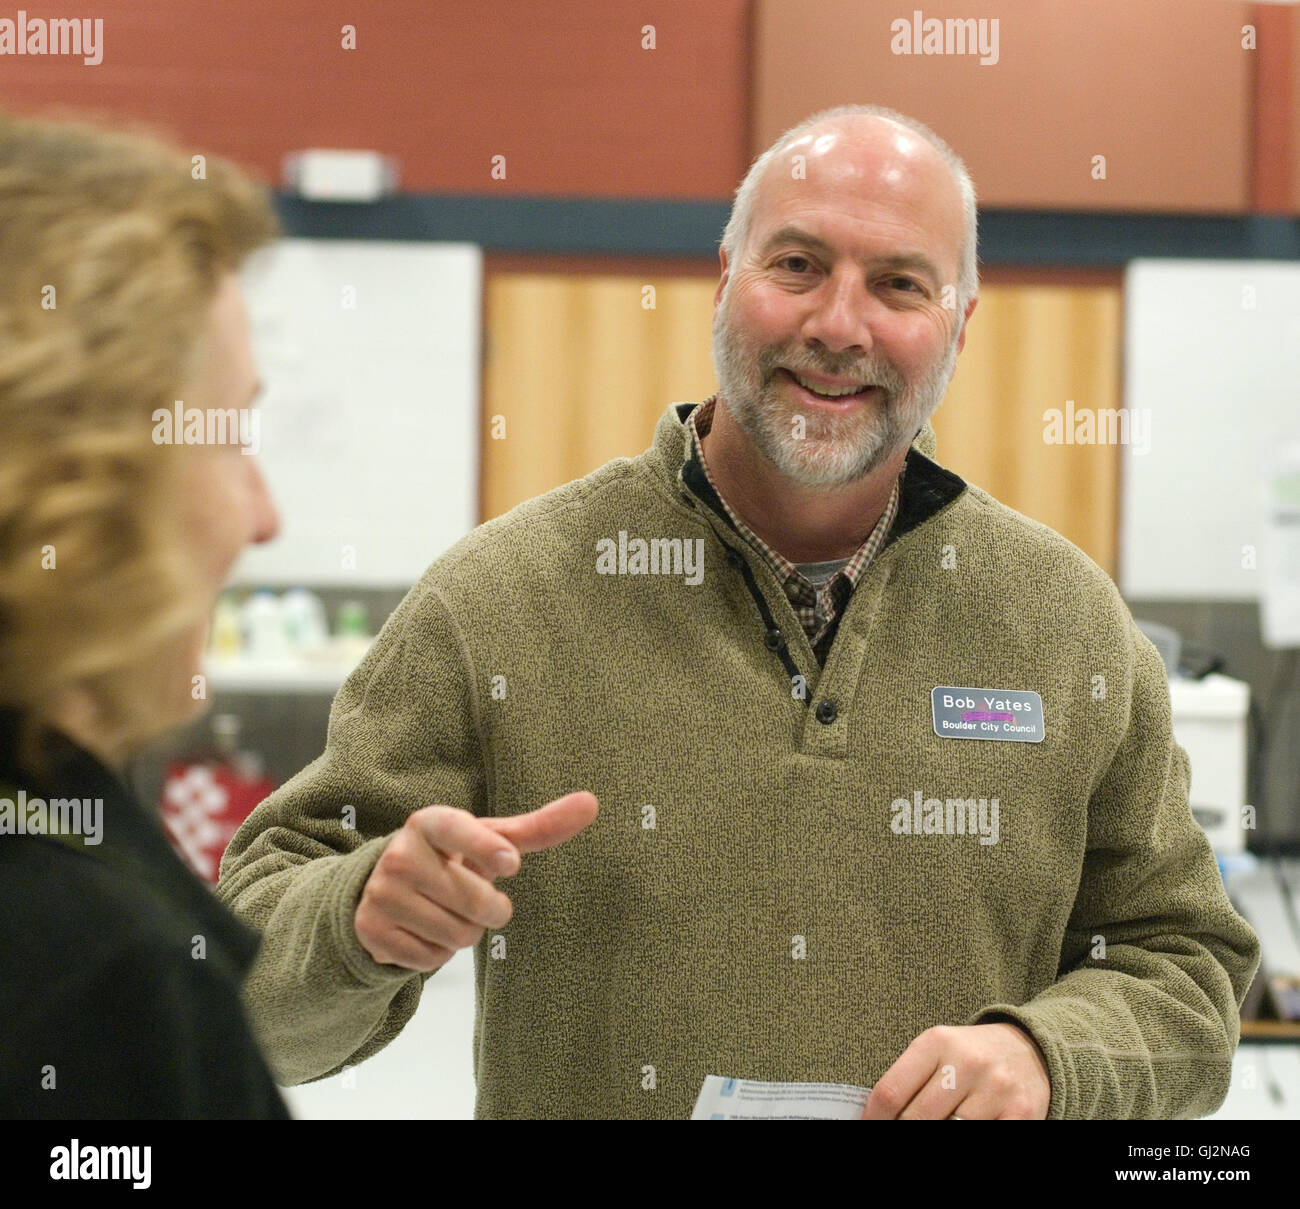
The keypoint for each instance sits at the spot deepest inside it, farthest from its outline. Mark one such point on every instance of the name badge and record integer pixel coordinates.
(1010, 714)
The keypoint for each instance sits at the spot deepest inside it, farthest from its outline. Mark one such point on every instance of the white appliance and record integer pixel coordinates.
(1210, 719)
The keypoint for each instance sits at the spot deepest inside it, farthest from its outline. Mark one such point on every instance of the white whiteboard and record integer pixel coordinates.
(1212, 348)
(370, 417)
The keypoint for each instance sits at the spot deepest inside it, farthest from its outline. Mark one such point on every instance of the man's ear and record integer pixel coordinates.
(961, 336)
(722, 280)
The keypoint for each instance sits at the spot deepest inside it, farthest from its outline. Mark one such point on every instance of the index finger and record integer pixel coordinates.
(457, 833)
(549, 825)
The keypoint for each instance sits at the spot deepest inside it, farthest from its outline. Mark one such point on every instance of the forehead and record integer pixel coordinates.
(229, 321)
(224, 365)
(870, 186)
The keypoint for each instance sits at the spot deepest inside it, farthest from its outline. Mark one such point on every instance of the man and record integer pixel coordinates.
(888, 792)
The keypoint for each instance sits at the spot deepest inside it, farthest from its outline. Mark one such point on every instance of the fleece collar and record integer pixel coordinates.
(927, 486)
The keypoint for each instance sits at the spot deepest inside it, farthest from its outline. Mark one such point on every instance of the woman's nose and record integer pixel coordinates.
(265, 515)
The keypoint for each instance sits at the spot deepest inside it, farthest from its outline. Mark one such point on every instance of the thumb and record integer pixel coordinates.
(549, 825)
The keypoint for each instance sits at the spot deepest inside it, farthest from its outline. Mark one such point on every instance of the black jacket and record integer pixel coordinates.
(119, 969)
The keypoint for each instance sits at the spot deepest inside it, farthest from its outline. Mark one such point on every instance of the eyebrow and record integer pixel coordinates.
(899, 260)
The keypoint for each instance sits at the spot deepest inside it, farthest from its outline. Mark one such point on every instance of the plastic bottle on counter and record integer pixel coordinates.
(304, 620)
(226, 639)
(262, 621)
(352, 633)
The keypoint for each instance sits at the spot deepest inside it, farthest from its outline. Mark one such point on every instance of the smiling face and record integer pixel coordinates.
(212, 502)
(831, 342)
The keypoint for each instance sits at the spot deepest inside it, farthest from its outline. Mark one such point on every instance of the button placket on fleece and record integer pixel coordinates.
(826, 727)
(832, 689)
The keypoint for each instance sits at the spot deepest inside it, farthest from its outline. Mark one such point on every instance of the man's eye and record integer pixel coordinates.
(796, 261)
(904, 283)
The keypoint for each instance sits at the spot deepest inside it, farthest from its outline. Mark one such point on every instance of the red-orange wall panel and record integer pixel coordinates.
(1288, 73)
(1161, 88)
(561, 88)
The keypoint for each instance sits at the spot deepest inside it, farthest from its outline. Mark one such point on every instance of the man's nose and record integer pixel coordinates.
(840, 317)
(265, 517)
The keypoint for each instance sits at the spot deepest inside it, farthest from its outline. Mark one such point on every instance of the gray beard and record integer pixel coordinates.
(834, 450)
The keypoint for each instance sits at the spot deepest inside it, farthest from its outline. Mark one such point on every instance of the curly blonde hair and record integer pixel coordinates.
(113, 244)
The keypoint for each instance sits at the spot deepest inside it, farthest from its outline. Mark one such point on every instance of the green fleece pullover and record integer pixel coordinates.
(751, 901)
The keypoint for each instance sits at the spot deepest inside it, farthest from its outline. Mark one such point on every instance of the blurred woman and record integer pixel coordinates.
(119, 971)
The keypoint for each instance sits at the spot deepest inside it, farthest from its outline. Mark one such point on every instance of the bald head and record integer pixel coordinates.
(872, 159)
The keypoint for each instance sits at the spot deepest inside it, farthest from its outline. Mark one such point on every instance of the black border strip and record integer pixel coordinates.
(599, 226)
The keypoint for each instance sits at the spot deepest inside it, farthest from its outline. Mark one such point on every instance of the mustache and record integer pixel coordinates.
(876, 373)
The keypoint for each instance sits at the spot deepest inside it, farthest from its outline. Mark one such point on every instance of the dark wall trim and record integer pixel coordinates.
(688, 228)
(519, 224)
(1034, 237)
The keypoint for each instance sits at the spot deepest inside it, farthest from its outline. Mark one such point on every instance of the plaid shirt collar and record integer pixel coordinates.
(816, 607)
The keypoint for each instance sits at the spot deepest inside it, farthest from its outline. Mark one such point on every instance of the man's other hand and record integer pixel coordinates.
(977, 1072)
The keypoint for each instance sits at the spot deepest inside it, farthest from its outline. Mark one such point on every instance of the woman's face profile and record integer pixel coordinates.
(230, 505)
(227, 505)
